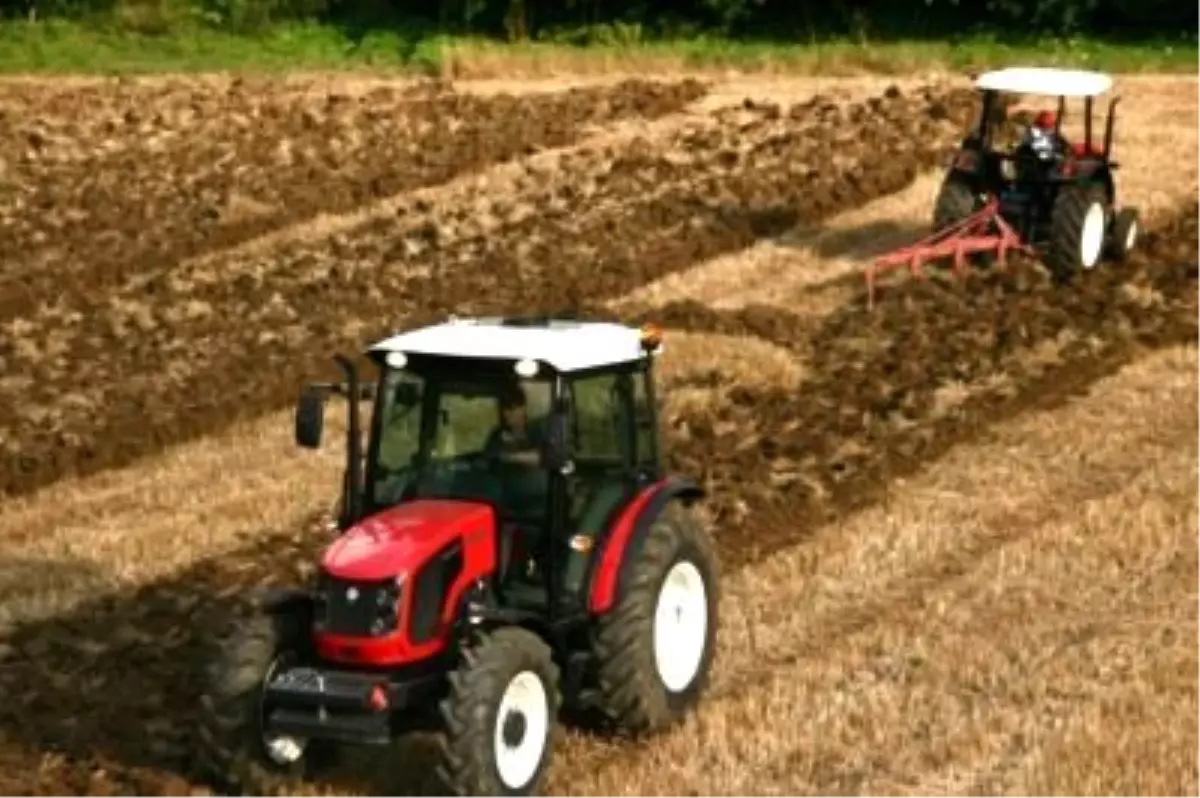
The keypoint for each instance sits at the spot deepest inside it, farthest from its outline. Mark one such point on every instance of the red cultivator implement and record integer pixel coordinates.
(983, 232)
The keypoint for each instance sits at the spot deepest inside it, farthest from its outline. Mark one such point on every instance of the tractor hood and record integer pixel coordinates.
(398, 540)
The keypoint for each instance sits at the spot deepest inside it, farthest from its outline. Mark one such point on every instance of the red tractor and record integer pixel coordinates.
(508, 545)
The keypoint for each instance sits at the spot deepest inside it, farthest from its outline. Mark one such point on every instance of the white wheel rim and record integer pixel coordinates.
(1131, 236)
(680, 626)
(517, 760)
(282, 749)
(1091, 238)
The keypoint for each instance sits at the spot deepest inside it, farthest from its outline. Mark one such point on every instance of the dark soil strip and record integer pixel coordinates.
(276, 162)
(184, 375)
(866, 414)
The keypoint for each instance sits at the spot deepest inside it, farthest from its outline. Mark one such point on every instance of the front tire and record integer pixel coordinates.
(1077, 230)
(231, 747)
(500, 716)
(654, 650)
(1126, 230)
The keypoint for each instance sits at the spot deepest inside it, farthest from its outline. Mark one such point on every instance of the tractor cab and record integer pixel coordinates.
(547, 424)
(1025, 170)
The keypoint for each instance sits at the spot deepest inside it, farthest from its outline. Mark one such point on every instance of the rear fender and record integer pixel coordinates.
(627, 535)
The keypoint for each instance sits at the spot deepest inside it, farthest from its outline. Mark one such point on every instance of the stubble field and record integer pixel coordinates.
(959, 532)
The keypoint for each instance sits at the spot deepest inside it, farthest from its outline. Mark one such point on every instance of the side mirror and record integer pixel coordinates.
(310, 418)
(554, 452)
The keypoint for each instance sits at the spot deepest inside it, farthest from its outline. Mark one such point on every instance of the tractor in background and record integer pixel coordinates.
(1045, 197)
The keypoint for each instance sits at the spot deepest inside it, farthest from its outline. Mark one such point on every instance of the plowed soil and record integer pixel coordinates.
(889, 391)
(145, 196)
(158, 354)
(100, 699)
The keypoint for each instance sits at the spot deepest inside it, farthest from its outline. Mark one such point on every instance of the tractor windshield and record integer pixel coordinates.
(460, 435)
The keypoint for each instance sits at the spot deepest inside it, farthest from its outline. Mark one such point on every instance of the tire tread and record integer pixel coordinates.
(227, 734)
(466, 764)
(630, 692)
(1066, 227)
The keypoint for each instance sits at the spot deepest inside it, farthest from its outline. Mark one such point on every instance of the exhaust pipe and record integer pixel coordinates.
(352, 506)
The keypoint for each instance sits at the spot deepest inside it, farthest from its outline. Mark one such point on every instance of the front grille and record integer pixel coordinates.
(357, 608)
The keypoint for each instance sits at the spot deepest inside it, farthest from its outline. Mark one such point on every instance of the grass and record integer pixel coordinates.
(59, 47)
(836, 57)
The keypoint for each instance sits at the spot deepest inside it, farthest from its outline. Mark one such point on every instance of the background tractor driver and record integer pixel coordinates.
(1042, 139)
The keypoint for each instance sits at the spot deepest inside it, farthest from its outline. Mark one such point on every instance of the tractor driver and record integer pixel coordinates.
(514, 439)
(1042, 138)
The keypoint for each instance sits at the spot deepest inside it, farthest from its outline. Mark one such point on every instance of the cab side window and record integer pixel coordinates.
(645, 420)
(463, 424)
(400, 428)
(597, 419)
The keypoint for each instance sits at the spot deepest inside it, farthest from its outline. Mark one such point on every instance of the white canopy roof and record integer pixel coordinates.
(1045, 80)
(564, 345)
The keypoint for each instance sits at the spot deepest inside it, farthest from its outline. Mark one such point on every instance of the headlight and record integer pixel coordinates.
(356, 608)
(387, 599)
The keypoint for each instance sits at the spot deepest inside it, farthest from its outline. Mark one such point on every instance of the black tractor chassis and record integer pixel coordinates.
(318, 702)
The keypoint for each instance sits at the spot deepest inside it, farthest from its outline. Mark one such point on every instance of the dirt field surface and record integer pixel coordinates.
(959, 532)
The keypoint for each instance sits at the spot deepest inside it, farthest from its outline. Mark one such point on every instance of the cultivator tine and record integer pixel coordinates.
(984, 231)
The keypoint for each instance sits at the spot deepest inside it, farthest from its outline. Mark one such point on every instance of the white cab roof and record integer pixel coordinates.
(1044, 80)
(563, 345)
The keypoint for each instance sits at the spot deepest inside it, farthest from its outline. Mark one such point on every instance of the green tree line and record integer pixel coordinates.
(611, 21)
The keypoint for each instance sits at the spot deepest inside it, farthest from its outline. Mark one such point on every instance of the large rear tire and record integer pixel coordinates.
(500, 716)
(232, 749)
(956, 200)
(1078, 223)
(654, 650)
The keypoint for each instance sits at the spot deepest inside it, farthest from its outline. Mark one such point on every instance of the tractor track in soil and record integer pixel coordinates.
(102, 696)
(184, 371)
(270, 160)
